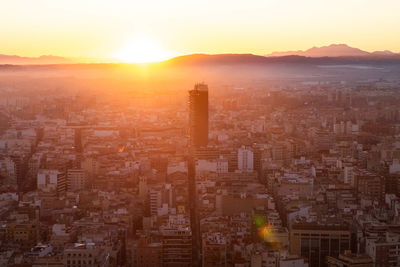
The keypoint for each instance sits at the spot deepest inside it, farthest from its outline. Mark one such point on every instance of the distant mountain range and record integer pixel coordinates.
(249, 59)
(334, 54)
(48, 59)
(334, 50)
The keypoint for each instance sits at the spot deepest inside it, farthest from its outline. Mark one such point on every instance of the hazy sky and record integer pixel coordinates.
(100, 28)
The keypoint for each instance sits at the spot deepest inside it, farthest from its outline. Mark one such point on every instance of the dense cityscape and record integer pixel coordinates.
(291, 174)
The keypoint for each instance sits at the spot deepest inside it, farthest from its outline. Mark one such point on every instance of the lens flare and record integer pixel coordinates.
(259, 221)
(266, 232)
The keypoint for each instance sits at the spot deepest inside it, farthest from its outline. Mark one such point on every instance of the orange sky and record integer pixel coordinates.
(104, 29)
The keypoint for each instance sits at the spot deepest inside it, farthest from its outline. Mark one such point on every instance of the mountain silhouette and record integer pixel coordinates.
(335, 53)
(333, 50)
(45, 59)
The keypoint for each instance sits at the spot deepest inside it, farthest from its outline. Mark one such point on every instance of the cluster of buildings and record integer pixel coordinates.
(300, 176)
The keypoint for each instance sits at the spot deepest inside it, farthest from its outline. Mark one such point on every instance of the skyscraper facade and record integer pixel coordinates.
(198, 137)
(198, 116)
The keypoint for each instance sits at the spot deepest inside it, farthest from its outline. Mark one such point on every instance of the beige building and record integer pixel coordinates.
(214, 250)
(349, 259)
(25, 233)
(76, 179)
(85, 254)
(314, 241)
(177, 247)
(384, 251)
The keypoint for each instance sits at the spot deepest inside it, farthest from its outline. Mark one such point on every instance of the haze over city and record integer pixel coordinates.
(199, 133)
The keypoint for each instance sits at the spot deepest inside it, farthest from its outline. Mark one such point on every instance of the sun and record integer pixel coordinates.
(142, 49)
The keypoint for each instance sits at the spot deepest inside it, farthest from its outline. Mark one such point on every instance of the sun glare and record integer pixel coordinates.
(142, 49)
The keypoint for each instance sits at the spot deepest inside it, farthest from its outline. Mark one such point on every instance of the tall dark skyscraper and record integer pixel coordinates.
(198, 137)
(198, 116)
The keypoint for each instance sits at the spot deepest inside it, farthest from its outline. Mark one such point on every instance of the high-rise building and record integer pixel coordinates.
(8, 169)
(198, 138)
(214, 250)
(155, 201)
(369, 185)
(198, 115)
(177, 247)
(51, 180)
(149, 253)
(245, 159)
(143, 188)
(76, 179)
